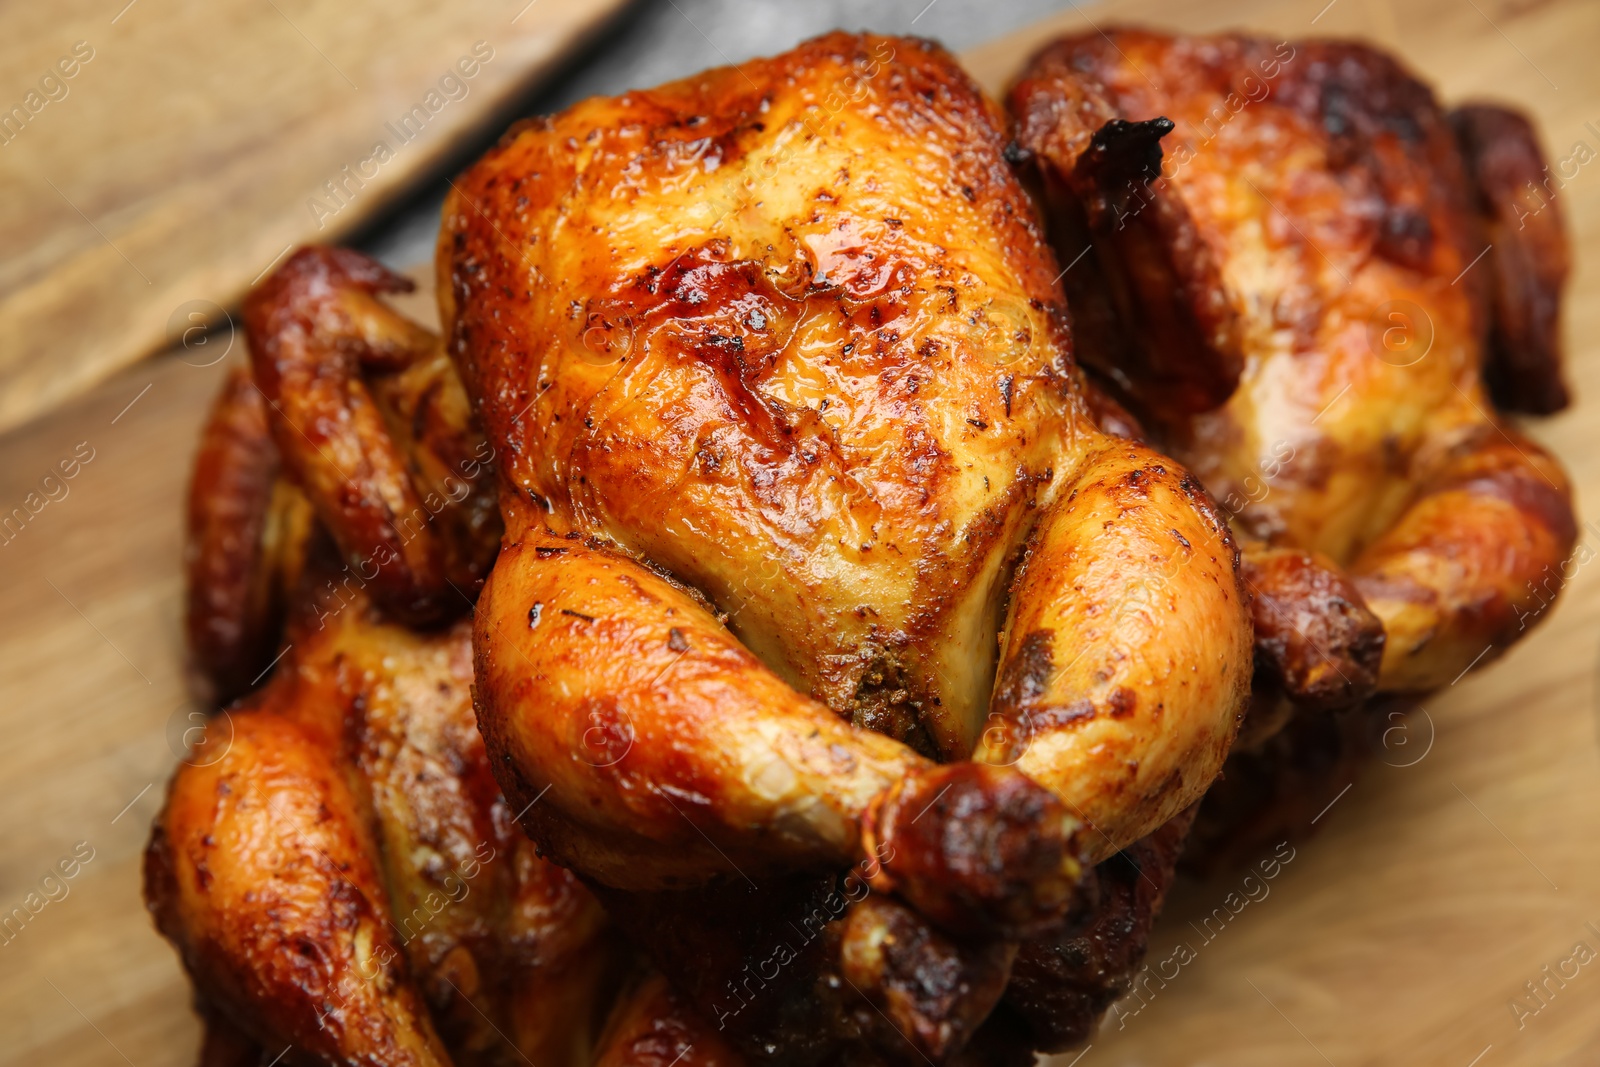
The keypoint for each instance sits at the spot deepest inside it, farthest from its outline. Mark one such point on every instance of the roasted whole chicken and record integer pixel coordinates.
(816, 555)
(1314, 287)
(803, 496)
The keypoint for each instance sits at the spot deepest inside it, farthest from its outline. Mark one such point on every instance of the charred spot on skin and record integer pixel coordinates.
(534, 614)
(1405, 237)
(984, 849)
(1123, 702)
(546, 551)
(676, 641)
(577, 615)
(1026, 674)
(1061, 715)
(922, 975)
(1208, 510)
(1123, 152)
(1016, 155)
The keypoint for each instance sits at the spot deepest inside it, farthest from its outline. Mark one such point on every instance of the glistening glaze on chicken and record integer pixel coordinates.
(780, 380)
(1299, 221)
(339, 871)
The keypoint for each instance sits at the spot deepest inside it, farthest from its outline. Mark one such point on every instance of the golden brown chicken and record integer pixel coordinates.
(375, 441)
(1316, 214)
(1284, 255)
(821, 582)
(792, 448)
(832, 636)
(795, 456)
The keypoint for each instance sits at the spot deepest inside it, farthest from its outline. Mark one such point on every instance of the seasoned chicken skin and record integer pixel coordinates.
(340, 872)
(793, 451)
(1289, 268)
(334, 862)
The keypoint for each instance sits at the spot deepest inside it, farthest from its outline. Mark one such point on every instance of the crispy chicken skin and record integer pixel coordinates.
(339, 871)
(246, 532)
(1290, 233)
(374, 427)
(782, 390)
(335, 863)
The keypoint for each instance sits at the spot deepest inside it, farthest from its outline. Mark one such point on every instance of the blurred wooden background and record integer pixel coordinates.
(1402, 933)
(181, 155)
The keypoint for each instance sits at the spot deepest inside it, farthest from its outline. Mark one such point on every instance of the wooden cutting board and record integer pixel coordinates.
(1449, 875)
(157, 155)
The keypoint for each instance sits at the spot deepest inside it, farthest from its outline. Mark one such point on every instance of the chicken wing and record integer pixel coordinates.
(246, 534)
(372, 424)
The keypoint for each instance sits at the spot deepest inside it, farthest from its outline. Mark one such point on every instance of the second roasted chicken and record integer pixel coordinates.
(1316, 286)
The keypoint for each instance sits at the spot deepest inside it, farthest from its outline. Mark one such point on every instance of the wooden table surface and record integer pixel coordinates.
(1448, 876)
(166, 152)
